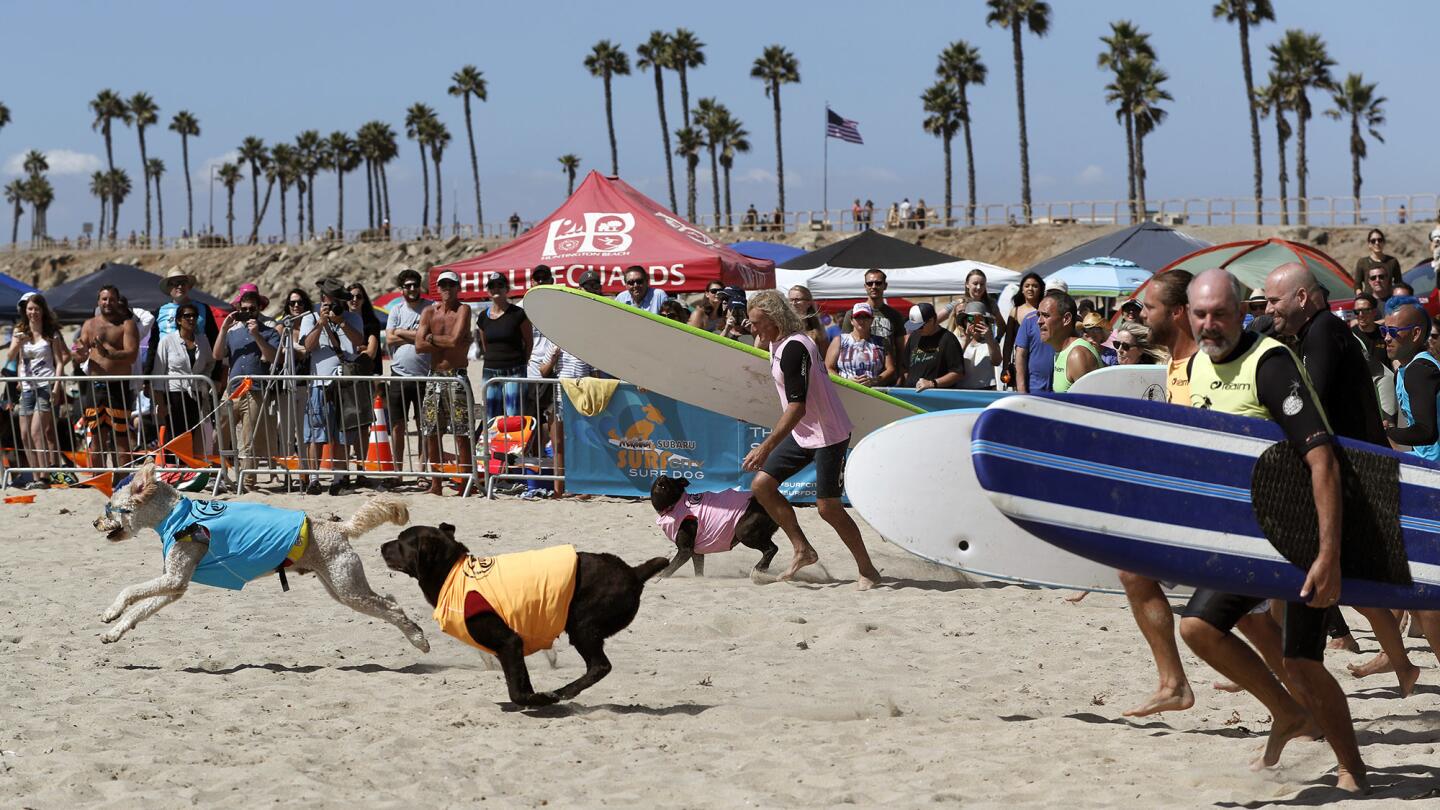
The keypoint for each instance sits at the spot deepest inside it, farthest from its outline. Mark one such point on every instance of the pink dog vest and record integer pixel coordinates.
(716, 516)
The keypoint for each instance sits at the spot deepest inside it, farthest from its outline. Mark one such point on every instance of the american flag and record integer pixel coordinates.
(842, 128)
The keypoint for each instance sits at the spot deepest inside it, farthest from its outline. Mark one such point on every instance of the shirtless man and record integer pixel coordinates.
(110, 342)
(444, 334)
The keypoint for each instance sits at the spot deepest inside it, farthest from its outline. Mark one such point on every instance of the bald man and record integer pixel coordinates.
(1251, 375)
(1340, 373)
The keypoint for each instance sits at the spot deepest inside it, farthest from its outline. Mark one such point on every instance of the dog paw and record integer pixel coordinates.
(421, 643)
(111, 637)
(111, 615)
(543, 699)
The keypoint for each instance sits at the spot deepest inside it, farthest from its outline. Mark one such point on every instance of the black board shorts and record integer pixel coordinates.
(1304, 626)
(789, 458)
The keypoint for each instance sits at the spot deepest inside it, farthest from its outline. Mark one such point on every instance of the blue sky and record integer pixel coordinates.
(273, 69)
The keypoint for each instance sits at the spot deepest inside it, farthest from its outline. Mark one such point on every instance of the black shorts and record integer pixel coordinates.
(1304, 625)
(789, 458)
(403, 397)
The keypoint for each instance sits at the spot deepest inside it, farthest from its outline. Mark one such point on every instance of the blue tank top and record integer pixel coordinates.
(1429, 452)
(247, 540)
(165, 318)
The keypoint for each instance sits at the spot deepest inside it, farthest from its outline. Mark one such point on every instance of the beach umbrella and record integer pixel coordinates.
(1102, 276)
(1252, 260)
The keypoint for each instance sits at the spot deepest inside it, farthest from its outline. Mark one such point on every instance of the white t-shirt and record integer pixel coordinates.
(979, 371)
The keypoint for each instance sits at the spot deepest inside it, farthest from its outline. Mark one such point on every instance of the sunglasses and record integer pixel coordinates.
(295, 302)
(1377, 241)
(714, 290)
(1364, 310)
(189, 317)
(1394, 332)
(409, 285)
(875, 284)
(1124, 345)
(634, 282)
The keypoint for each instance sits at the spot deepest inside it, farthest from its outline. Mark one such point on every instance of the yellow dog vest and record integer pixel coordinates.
(530, 591)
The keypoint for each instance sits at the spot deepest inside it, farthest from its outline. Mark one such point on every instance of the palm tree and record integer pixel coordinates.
(686, 51)
(154, 168)
(437, 138)
(942, 104)
(15, 196)
(4, 115)
(100, 188)
(343, 156)
(1275, 98)
(40, 194)
(385, 149)
(1148, 115)
(252, 151)
(35, 163)
(369, 149)
(688, 143)
(469, 81)
(187, 126)
(1125, 44)
(655, 53)
(310, 153)
(961, 66)
(1303, 64)
(230, 177)
(108, 107)
(1017, 15)
(777, 66)
(570, 164)
(143, 113)
(117, 187)
(605, 61)
(284, 169)
(417, 124)
(732, 139)
(1356, 99)
(707, 117)
(1248, 14)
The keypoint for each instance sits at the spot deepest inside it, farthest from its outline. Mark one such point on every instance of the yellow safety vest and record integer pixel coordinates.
(1232, 387)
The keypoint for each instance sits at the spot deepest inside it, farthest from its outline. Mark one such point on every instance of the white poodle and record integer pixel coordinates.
(227, 543)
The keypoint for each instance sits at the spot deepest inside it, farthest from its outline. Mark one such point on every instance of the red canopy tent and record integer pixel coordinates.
(607, 226)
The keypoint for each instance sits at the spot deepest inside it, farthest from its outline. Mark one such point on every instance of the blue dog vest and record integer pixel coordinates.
(247, 540)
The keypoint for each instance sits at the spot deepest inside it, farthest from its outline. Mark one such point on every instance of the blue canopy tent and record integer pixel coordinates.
(774, 251)
(10, 291)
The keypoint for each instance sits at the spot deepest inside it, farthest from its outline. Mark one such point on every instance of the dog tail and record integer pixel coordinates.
(644, 571)
(376, 512)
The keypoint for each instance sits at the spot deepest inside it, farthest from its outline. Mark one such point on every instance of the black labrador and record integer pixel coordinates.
(606, 598)
(755, 528)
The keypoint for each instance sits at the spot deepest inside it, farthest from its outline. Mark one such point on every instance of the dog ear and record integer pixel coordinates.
(447, 530)
(683, 483)
(143, 478)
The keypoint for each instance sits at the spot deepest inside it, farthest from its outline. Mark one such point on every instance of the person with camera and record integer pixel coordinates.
(403, 396)
(247, 346)
(333, 337)
(978, 346)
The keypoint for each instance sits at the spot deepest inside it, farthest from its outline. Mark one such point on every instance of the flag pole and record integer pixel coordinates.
(825, 184)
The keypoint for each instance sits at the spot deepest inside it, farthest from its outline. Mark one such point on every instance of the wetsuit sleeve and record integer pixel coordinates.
(1422, 383)
(795, 366)
(1283, 392)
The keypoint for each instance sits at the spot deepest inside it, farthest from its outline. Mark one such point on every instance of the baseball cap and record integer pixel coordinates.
(588, 277)
(1057, 284)
(1092, 320)
(495, 280)
(542, 274)
(1130, 303)
(448, 275)
(921, 313)
(862, 308)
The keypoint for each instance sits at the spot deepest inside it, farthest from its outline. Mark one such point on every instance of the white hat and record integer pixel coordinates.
(862, 308)
(448, 275)
(1057, 284)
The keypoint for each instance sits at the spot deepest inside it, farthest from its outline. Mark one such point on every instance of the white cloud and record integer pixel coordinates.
(62, 162)
(202, 172)
(755, 176)
(1090, 175)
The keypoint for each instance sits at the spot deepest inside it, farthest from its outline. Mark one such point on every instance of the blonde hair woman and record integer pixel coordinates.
(804, 305)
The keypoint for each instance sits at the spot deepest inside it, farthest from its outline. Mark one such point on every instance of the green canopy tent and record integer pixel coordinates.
(1252, 260)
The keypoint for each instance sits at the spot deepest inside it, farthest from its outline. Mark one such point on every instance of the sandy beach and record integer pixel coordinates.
(928, 690)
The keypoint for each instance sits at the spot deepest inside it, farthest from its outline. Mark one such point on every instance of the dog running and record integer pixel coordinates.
(229, 543)
(710, 523)
(512, 605)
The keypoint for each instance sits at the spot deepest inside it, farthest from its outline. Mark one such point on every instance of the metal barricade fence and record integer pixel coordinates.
(302, 427)
(520, 423)
(58, 428)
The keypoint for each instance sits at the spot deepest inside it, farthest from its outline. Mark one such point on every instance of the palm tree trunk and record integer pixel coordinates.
(570, 190)
(310, 201)
(255, 234)
(109, 151)
(230, 215)
(370, 194)
(1130, 165)
(439, 197)
(1244, 18)
(949, 199)
(159, 214)
(1140, 175)
(255, 200)
(1020, 108)
(969, 159)
(15, 227)
(684, 94)
(1284, 176)
(690, 189)
(189, 196)
(114, 219)
(474, 167)
(1355, 162)
(340, 203)
(284, 232)
(729, 212)
(145, 176)
(1302, 167)
(715, 184)
(779, 154)
(300, 211)
(664, 136)
(99, 234)
(610, 123)
(384, 192)
(425, 187)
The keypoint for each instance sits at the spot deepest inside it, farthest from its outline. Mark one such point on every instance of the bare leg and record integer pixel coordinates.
(432, 449)
(344, 578)
(1235, 660)
(1152, 614)
(1393, 656)
(767, 491)
(832, 511)
(1318, 690)
(1429, 622)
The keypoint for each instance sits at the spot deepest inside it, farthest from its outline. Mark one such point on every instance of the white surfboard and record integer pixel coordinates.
(1130, 382)
(685, 363)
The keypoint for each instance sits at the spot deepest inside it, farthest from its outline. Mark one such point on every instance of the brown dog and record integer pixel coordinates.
(592, 601)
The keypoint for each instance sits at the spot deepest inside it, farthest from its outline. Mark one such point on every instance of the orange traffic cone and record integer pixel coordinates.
(327, 457)
(379, 458)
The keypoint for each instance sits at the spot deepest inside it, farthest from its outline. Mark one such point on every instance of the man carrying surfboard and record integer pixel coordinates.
(813, 427)
(1057, 314)
(1246, 374)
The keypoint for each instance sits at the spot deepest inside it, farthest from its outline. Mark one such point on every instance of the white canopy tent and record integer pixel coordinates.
(936, 280)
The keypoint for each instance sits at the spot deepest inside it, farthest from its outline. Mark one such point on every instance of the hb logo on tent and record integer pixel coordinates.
(603, 233)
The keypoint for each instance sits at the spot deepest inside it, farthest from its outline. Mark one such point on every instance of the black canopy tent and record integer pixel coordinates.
(74, 301)
(1149, 245)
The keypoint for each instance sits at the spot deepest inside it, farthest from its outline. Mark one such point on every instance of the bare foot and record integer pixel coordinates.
(1281, 732)
(1176, 699)
(1227, 686)
(797, 562)
(1345, 642)
(864, 583)
(1380, 663)
(1075, 598)
(1351, 783)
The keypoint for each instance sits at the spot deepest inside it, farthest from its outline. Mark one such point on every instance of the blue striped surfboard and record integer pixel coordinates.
(1165, 491)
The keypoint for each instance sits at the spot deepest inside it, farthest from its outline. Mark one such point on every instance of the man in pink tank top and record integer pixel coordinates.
(813, 427)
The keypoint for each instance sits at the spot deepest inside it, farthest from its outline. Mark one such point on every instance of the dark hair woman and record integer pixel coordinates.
(39, 351)
(1377, 257)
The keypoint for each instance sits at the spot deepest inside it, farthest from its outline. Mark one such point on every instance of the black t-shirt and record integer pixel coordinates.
(1422, 382)
(1374, 341)
(1364, 264)
(504, 340)
(933, 356)
(795, 369)
(1339, 368)
(1277, 378)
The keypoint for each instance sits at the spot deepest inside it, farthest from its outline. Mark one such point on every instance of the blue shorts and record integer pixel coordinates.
(322, 423)
(504, 399)
(36, 398)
